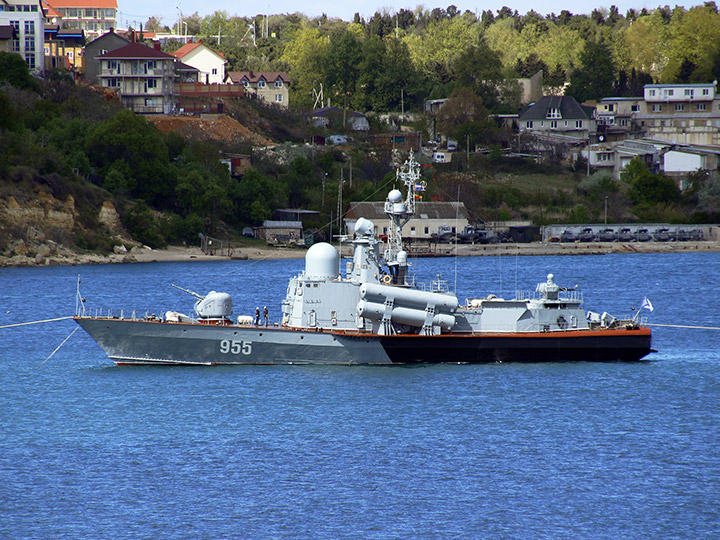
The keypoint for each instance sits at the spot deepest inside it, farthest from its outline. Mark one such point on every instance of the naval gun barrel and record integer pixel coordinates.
(192, 293)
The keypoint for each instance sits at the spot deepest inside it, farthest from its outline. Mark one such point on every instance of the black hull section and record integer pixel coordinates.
(589, 347)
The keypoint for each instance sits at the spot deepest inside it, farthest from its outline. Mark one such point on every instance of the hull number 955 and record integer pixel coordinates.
(235, 347)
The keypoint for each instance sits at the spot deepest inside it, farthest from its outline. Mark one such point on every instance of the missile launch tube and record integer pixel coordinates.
(404, 315)
(408, 297)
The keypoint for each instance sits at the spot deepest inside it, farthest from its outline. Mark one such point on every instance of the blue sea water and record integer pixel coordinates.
(561, 451)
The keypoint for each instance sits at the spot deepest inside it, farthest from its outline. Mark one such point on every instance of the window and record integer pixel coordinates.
(706, 92)
(214, 71)
(427, 230)
(651, 93)
(114, 82)
(151, 64)
(668, 93)
(30, 59)
(30, 44)
(679, 106)
(150, 84)
(553, 124)
(245, 82)
(261, 83)
(278, 83)
(700, 106)
(529, 124)
(278, 98)
(72, 13)
(634, 108)
(579, 124)
(657, 108)
(689, 92)
(553, 112)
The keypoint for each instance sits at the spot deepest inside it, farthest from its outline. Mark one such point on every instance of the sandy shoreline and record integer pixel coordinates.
(189, 254)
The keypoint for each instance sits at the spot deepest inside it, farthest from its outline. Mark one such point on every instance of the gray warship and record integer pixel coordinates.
(375, 314)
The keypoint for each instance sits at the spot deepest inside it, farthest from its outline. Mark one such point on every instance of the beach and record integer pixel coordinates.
(144, 254)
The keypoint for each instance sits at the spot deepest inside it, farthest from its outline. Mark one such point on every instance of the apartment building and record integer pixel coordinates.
(143, 77)
(681, 113)
(94, 17)
(27, 38)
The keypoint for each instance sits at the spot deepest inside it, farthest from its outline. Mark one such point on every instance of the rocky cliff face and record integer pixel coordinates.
(39, 230)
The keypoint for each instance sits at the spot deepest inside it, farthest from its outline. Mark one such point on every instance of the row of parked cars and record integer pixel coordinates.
(626, 234)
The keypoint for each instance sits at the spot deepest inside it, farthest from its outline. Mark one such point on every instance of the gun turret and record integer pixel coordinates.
(192, 293)
(214, 305)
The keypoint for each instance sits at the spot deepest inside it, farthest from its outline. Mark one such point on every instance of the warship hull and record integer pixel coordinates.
(143, 342)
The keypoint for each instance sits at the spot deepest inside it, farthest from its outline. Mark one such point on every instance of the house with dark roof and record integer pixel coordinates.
(7, 37)
(209, 63)
(561, 116)
(99, 46)
(428, 219)
(143, 77)
(270, 86)
(323, 118)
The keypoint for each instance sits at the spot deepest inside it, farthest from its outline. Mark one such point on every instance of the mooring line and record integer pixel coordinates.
(58, 347)
(684, 326)
(35, 322)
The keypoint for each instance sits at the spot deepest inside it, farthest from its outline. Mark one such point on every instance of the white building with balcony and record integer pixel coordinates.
(682, 113)
(28, 21)
(142, 76)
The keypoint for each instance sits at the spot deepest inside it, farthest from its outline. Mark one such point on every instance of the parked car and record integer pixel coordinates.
(662, 235)
(607, 235)
(642, 235)
(697, 234)
(625, 235)
(586, 235)
(568, 236)
(451, 145)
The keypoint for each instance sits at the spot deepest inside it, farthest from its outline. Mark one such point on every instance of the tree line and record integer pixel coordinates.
(396, 59)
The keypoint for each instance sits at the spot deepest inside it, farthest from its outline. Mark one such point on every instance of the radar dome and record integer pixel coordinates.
(395, 196)
(322, 261)
(363, 227)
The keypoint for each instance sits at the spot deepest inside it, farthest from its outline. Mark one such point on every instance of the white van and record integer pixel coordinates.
(439, 157)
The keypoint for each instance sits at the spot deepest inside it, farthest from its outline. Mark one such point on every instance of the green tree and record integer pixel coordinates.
(15, 72)
(129, 139)
(340, 66)
(303, 55)
(594, 80)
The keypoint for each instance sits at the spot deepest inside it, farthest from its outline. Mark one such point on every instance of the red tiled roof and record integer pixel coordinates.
(51, 11)
(136, 50)
(84, 3)
(188, 47)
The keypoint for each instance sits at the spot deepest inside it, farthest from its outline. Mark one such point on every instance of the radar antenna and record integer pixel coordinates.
(400, 212)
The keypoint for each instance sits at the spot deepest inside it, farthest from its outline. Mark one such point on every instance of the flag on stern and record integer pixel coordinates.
(647, 304)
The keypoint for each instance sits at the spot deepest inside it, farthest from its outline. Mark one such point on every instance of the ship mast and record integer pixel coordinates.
(400, 212)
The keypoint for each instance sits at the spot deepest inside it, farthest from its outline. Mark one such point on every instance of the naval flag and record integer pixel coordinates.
(647, 304)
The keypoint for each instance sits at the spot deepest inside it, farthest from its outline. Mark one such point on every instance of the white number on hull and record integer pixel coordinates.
(235, 347)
